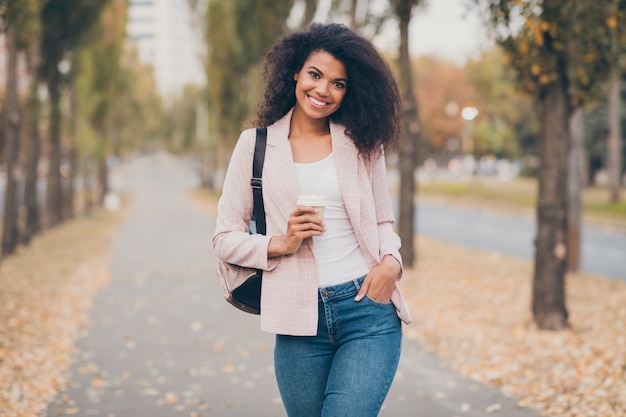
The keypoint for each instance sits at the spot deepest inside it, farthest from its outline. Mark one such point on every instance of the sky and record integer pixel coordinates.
(446, 28)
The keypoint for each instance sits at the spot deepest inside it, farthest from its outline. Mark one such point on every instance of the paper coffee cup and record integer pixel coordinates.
(317, 201)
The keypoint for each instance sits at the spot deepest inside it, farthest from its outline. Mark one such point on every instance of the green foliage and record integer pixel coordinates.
(86, 142)
(24, 14)
(493, 136)
(238, 34)
(98, 66)
(65, 24)
(118, 105)
(257, 25)
(561, 40)
(116, 115)
(506, 123)
(179, 121)
(137, 111)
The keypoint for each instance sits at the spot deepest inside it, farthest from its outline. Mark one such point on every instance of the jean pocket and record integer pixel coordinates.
(380, 303)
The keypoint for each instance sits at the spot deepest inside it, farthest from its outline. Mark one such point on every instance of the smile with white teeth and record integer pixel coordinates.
(317, 102)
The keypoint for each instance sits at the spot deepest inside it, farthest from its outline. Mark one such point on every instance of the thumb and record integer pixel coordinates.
(362, 291)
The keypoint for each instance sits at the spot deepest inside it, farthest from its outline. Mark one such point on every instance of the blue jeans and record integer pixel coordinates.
(347, 369)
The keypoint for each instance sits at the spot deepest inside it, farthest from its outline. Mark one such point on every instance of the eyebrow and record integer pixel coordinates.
(345, 80)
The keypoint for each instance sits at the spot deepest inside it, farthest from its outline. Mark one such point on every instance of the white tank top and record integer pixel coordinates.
(337, 252)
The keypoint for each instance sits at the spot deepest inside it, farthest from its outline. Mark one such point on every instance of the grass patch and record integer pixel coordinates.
(612, 209)
(520, 194)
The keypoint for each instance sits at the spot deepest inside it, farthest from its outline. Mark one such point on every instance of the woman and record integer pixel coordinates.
(331, 105)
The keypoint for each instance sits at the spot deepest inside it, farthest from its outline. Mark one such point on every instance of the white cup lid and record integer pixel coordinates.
(311, 200)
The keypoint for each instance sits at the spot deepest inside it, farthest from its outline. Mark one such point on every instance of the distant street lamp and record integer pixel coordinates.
(468, 114)
(64, 66)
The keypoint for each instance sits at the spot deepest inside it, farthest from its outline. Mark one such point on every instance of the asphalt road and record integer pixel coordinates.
(162, 342)
(603, 252)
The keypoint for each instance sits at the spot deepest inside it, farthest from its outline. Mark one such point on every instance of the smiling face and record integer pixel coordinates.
(320, 85)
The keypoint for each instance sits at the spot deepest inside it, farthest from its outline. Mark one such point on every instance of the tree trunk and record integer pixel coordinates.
(70, 180)
(575, 188)
(614, 141)
(310, 8)
(409, 141)
(208, 169)
(548, 303)
(103, 179)
(13, 124)
(54, 196)
(88, 191)
(32, 223)
(354, 25)
(68, 203)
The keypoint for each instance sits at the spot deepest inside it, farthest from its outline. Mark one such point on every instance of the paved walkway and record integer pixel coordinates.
(162, 342)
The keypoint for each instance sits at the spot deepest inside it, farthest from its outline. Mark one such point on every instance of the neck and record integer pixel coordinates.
(304, 126)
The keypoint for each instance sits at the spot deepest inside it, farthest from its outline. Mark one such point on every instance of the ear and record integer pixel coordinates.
(295, 76)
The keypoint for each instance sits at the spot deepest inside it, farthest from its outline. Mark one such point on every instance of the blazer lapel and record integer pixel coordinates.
(280, 168)
(356, 191)
(347, 166)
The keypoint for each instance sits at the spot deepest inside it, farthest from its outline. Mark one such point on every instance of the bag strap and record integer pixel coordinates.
(257, 182)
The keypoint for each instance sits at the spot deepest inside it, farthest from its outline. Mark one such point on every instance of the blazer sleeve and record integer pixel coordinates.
(232, 242)
(388, 240)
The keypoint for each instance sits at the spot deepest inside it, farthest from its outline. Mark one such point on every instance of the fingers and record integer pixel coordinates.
(376, 286)
(379, 295)
(302, 223)
(305, 210)
(305, 219)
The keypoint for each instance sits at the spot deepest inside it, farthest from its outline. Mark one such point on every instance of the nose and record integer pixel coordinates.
(322, 88)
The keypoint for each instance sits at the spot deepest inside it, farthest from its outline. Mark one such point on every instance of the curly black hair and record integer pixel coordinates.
(371, 108)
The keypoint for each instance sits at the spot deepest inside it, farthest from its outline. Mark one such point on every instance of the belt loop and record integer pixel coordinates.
(357, 282)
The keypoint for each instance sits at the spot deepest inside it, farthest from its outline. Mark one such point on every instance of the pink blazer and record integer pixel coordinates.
(289, 294)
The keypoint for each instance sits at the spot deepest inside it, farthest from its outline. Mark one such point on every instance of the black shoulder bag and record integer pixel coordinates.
(241, 286)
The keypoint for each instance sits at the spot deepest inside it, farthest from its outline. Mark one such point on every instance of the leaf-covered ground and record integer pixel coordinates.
(473, 309)
(45, 294)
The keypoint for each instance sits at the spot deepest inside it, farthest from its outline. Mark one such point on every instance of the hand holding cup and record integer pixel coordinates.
(316, 201)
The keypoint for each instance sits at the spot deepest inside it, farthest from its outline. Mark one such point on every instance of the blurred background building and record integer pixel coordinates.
(168, 39)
